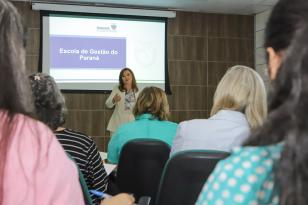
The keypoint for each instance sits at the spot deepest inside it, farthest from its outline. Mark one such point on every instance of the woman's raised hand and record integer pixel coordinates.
(116, 98)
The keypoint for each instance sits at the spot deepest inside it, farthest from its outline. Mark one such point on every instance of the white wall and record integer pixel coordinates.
(260, 61)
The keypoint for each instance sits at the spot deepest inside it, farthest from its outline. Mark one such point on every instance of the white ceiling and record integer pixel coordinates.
(212, 6)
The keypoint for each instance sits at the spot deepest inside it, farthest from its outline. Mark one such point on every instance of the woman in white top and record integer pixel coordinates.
(123, 98)
(239, 107)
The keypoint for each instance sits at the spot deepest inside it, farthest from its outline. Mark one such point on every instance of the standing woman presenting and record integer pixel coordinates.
(123, 98)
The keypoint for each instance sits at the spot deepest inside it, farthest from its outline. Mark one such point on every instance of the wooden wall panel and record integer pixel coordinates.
(89, 101)
(32, 64)
(200, 49)
(188, 98)
(187, 48)
(187, 73)
(210, 97)
(216, 71)
(33, 41)
(87, 121)
(230, 26)
(230, 50)
(188, 24)
(184, 115)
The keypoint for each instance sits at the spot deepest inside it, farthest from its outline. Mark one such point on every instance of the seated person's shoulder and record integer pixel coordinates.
(76, 134)
(79, 139)
(245, 176)
(127, 126)
(34, 133)
(166, 126)
(263, 152)
(193, 123)
(173, 124)
(28, 125)
(73, 132)
(251, 161)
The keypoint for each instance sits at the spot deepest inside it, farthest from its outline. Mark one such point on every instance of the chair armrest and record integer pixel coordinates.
(144, 200)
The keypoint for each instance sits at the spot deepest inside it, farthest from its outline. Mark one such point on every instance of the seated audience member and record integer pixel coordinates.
(151, 112)
(239, 107)
(272, 167)
(51, 109)
(34, 168)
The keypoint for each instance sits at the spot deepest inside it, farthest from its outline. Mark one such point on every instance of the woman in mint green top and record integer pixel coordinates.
(273, 166)
(151, 113)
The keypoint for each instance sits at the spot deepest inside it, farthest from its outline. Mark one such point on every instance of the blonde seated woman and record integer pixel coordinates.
(239, 107)
(151, 112)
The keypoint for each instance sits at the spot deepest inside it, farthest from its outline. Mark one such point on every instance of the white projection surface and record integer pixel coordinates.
(88, 52)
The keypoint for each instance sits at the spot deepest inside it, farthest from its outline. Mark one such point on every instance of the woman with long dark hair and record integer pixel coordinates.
(33, 166)
(272, 168)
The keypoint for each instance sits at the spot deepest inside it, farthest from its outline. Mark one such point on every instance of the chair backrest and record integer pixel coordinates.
(83, 184)
(140, 167)
(184, 176)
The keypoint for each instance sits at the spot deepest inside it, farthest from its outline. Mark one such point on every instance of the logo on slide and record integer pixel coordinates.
(111, 28)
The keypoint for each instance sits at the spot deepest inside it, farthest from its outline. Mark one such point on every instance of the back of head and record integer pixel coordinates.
(242, 89)
(288, 122)
(286, 17)
(152, 100)
(15, 92)
(48, 100)
(14, 95)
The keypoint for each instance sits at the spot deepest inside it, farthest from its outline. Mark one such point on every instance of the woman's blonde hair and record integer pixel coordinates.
(242, 89)
(154, 101)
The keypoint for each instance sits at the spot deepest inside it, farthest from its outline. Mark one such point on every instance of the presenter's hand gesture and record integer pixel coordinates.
(120, 199)
(116, 98)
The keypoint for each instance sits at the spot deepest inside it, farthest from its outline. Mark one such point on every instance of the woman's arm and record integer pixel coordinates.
(110, 102)
(98, 176)
(113, 148)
